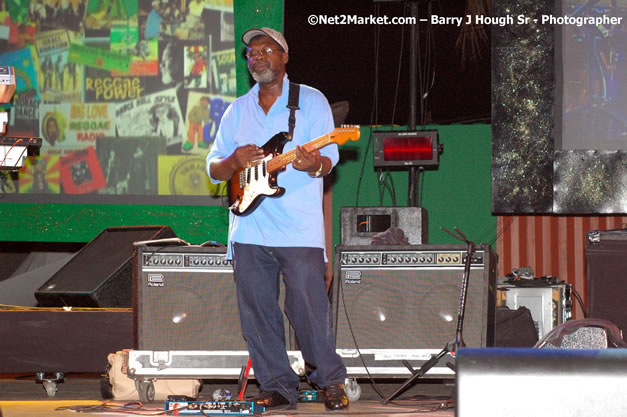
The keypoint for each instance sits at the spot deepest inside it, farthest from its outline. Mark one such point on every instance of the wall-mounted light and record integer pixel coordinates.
(407, 149)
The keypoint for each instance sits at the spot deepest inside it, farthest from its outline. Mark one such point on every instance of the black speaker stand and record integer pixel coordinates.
(451, 347)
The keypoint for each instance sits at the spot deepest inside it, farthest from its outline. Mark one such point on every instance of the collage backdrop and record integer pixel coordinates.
(127, 96)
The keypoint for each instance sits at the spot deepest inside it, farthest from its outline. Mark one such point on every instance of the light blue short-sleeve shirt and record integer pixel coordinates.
(295, 218)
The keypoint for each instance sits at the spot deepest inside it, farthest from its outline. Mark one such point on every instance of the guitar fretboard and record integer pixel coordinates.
(280, 161)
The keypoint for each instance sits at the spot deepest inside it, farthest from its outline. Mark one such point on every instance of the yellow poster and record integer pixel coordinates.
(186, 175)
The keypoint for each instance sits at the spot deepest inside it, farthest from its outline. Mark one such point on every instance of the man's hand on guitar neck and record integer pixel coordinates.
(310, 162)
(243, 157)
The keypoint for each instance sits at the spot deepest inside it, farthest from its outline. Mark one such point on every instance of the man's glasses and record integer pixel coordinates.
(265, 51)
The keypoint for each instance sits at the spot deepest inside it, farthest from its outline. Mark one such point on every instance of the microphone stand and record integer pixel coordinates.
(453, 346)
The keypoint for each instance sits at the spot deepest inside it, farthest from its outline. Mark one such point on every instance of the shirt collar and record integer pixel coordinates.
(284, 90)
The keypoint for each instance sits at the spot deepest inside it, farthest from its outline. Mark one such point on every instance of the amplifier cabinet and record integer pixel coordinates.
(606, 253)
(550, 306)
(185, 299)
(396, 303)
(361, 224)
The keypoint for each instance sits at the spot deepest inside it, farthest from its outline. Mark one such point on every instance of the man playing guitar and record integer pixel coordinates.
(284, 234)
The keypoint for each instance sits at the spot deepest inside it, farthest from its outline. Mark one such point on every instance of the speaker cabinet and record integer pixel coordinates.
(606, 253)
(396, 303)
(360, 224)
(100, 274)
(185, 299)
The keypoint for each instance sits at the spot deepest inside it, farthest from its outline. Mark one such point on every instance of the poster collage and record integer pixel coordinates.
(127, 95)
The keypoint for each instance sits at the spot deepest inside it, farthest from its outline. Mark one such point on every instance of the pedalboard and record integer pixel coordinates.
(206, 408)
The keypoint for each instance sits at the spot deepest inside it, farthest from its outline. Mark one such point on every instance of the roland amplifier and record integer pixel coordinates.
(395, 303)
(185, 299)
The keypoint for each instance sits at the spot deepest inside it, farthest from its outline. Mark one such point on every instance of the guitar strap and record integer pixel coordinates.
(292, 104)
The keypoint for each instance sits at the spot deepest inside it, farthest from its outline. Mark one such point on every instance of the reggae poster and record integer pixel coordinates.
(59, 78)
(25, 114)
(186, 175)
(143, 53)
(223, 72)
(76, 125)
(158, 114)
(130, 164)
(41, 175)
(81, 172)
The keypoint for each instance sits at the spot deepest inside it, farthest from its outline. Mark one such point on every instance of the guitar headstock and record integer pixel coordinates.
(343, 134)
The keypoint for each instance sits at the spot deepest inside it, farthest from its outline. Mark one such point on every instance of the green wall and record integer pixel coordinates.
(456, 194)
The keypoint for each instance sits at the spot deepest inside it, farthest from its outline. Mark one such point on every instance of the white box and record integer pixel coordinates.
(549, 306)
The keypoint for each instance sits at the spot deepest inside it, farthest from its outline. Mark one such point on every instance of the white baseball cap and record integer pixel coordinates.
(273, 34)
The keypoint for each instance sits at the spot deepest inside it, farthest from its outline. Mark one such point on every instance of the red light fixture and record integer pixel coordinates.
(406, 149)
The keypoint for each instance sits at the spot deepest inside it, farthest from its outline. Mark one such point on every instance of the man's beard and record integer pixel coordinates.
(265, 76)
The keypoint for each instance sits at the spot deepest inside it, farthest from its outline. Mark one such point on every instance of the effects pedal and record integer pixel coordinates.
(206, 408)
(310, 396)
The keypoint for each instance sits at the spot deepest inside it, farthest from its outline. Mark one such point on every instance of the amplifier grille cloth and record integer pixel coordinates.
(192, 311)
(410, 309)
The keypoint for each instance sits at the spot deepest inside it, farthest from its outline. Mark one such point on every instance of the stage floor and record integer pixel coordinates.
(22, 396)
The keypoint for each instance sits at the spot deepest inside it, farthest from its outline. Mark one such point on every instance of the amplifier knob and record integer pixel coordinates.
(177, 261)
(448, 259)
(422, 259)
(210, 261)
(392, 259)
(203, 261)
(440, 259)
(414, 259)
(163, 261)
(407, 259)
(195, 261)
(170, 261)
(353, 260)
(368, 260)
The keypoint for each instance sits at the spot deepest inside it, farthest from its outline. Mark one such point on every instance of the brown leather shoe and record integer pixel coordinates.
(335, 398)
(272, 399)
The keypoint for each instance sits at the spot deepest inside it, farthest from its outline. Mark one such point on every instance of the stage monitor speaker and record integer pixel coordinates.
(606, 253)
(541, 382)
(100, 274)
(396, 303)
(185, 299)
(361, 224)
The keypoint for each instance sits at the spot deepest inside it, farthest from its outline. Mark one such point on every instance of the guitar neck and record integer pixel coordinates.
(286, 158)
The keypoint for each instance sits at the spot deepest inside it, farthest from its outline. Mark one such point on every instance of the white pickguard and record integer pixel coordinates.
(255, 183)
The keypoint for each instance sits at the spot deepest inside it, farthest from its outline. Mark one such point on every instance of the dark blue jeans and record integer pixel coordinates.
(257, 273)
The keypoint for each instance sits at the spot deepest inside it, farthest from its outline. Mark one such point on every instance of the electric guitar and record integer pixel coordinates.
(248, 186)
